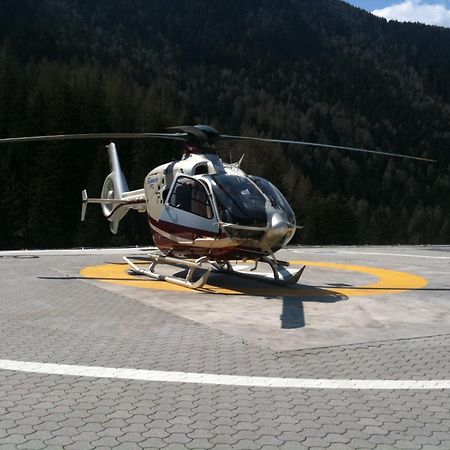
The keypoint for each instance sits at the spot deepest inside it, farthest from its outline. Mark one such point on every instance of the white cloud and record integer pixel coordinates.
(416, 11)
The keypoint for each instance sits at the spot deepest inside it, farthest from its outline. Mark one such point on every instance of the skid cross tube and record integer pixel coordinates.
(192, 266)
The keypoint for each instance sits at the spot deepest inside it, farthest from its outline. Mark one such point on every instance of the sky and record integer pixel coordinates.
(431, 12)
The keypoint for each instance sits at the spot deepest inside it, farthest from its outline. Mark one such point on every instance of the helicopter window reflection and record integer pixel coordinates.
(190, 196)
(275, 196)
(239, 201)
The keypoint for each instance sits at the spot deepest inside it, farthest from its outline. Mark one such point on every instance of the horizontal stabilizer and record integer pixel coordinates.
(133, 202)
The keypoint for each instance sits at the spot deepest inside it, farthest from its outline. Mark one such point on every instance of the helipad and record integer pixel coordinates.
(356, 356)
(389, 282)
(335, 302)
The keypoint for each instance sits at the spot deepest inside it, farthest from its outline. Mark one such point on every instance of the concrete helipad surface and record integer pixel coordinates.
(355, 356)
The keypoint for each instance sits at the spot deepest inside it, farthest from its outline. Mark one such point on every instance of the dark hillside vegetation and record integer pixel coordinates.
(313, 70)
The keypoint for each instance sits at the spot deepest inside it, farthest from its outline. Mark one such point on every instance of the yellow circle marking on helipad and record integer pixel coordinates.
(389, 282)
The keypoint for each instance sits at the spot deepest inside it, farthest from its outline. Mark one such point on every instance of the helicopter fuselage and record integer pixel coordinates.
(200, 206)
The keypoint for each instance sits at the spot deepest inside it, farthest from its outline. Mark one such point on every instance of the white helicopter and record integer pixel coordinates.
(201, 211)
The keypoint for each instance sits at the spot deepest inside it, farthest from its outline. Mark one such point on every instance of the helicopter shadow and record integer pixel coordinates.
(292, 314)
(293, 310)
(293, 298)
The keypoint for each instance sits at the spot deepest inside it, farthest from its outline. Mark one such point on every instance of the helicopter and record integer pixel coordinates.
(202, 211)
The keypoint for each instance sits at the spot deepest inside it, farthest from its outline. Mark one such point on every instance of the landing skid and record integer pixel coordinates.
(192, 266)
(281, 276)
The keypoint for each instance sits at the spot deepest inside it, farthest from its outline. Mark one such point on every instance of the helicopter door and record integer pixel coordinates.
(189, 208)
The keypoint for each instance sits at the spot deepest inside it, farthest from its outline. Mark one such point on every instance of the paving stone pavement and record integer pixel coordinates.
(53, 319)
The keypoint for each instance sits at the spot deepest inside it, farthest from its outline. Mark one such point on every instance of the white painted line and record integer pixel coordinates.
(220, 380)
(404, 255)
(395, 254)
(75, 251)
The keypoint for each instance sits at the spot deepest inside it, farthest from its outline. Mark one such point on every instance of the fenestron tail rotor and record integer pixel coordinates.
(202, 136)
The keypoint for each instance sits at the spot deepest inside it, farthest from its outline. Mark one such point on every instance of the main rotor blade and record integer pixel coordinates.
(69, 137)
(313, 144)
(186, 135)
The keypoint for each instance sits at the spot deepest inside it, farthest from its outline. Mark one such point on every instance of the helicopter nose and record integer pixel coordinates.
(278, 229)
(278, 223)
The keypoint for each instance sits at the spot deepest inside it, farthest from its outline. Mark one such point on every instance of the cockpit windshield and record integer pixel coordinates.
(275, 196)
(239, 201)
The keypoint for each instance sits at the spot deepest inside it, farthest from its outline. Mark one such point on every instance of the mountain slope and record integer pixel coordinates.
(319, 70)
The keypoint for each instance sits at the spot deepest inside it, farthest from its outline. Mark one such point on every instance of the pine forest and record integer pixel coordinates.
(320, 71)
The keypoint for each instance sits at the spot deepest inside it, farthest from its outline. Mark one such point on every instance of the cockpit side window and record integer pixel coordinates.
(190, 195)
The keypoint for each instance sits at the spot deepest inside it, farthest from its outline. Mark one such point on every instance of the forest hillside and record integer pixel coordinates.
(317, 70)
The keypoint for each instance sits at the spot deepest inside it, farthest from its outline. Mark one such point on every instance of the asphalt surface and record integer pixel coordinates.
(50, 314)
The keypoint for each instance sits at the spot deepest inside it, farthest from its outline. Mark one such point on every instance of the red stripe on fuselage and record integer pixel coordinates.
(181, 231)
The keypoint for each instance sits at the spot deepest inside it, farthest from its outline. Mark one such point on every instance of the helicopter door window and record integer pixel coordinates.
(189, 195)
